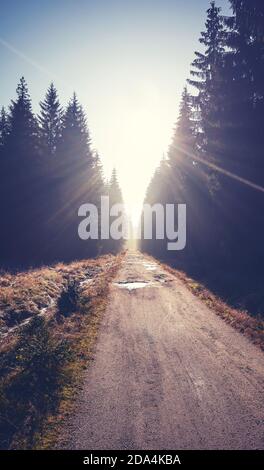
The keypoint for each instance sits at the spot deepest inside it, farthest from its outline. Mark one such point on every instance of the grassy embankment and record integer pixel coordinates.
(49, 320)
(251, 326)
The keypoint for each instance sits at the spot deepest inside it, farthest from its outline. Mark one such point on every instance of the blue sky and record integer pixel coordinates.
(127, 60)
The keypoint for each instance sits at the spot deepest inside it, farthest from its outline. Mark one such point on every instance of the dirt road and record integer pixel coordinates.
(168, 373)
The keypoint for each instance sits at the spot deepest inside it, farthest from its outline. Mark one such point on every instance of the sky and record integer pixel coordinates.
(127, 60)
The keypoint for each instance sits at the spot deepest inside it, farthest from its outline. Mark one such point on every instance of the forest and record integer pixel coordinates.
(215, 160)
(117, 344)
(214, 165)
(48, 169)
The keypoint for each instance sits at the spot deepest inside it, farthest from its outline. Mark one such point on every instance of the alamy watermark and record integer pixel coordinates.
(158, 221)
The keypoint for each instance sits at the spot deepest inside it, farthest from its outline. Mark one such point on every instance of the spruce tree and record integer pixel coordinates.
(246, 69)
(214, 126)
(189, 181)
(4, 128)
(207, 68)
(115, 193)
(251, 13)
(97, 180)
(74, 181)
(161, 190)
(98, 188)
(182, 148)
(75, 134)
(115, 197)
(50, 121)
(75, 156)
(206, 64)
(21, 180)
(22, 139)
(246, 135)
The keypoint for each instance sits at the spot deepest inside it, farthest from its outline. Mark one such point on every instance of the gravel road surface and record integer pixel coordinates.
(168, 373)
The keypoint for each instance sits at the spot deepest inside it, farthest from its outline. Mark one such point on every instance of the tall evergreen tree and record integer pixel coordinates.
(76, 159)
(251, 12)
(75, 134)
(4, 128)
(246, 135)
(207, 69)
(115, 197)
(50, 121)
(20, 181)
(161, 190)
(74, 182)
(23, 135)
(97, 180)
(98, 189)
(182, 149)
(217, 124)
(190, 181)
(246, 79)
(115, 193)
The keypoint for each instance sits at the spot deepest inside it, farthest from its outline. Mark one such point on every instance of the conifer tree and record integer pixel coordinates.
(115, 197)
(207, 69)
(75, 156)
(206, 64)
(76, 142)
(189, 180)
(20, 181)
(182, 148)
(115, 193)
(183, 139)
(246, 81)
(98, 188)
(50, 121)
(23, 135)
(245, 139)
(74, 174)
(97, 180)
(40, 196)
(161, 190)
(4, 128)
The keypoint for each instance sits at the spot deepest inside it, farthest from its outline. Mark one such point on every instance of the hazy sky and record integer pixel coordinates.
(126, 59)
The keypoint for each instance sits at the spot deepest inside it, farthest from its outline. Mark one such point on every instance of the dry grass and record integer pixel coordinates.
(25, 295)
(72, 334)
(84, 332)
(252, 328)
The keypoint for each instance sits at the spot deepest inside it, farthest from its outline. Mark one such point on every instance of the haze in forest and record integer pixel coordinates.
(127, 61)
